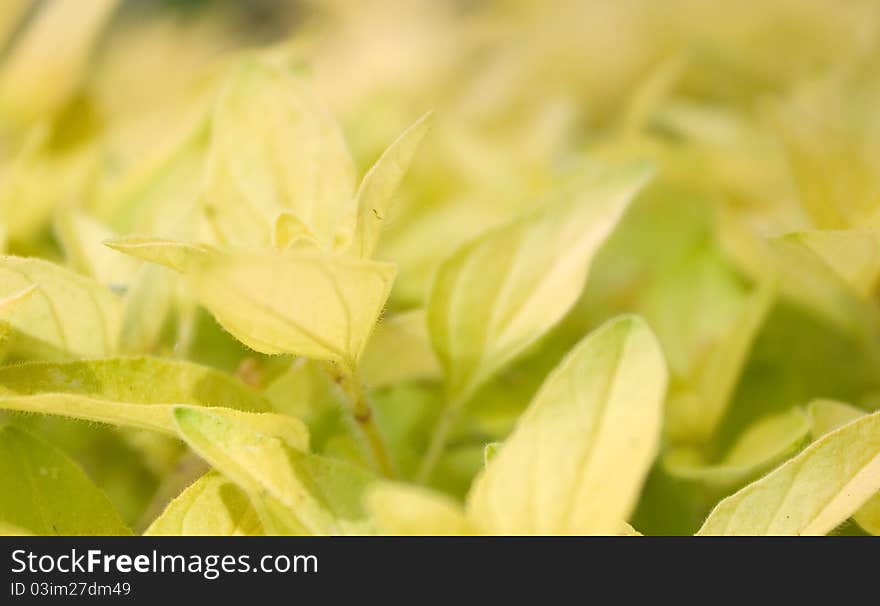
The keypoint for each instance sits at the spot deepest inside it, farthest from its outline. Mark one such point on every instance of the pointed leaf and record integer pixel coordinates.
(375, 195)
(810, 494)
(576, 461)
(317, 306)
(499, 293)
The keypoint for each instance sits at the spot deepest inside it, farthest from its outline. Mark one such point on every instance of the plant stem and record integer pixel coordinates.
(440, 437)
(362, 412)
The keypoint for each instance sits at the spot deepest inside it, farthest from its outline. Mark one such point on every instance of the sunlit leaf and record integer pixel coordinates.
(576, 461)
(317, 306)
(810, 494)
(501, 292)
(274, 148)
(828, 416)
(68, 315)
(374, 197)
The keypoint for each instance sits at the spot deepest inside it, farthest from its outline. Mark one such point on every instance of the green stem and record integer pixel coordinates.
(362, 413)
(439, 438)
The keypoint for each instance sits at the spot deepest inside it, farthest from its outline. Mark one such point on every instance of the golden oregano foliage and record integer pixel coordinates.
(440, 268)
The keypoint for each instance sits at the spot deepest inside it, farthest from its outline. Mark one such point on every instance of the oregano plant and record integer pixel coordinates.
(386, 275)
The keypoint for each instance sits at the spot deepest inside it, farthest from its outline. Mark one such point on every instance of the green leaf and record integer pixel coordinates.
(135, 392)
(402, 510)
(69, 315)
(762, 446)
(42, 492)
(317, 306)
(310, 493)
(212, 506)
(577, 459)
(498, 294)
(810, 494)
(274, 147)
(828, 416)
(375, 195)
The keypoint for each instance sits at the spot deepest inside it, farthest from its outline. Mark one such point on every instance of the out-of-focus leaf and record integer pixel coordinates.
(501, 292)
(146, 307)
(577, 459)
(82, 238)
(761, 447)
(400, 509)
(695, 414)
(853, 255)
(69, 315)
(43, 492)
(374, 197)
(46, 65)
(400, 350)
(319, 495)
(212, 506)
(318, 306)
(810, 494)
(803, 277)
(274, 148)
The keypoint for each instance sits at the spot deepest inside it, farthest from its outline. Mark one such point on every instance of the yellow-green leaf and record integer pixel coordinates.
(400, 350)
(274, 147)
(46, 65)
(68, 315)
(577, 459)
(212, 506)
(135, 392)
(375, 194)
(401, 510)
(762, 446)
(828, 416)
(810, 494)
(853, 255)
(318, 306)
(323, 496)
(42, 492)
(82, 238)
(498, 294)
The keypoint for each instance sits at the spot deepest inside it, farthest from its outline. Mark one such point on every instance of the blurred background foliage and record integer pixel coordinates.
(762, 117)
